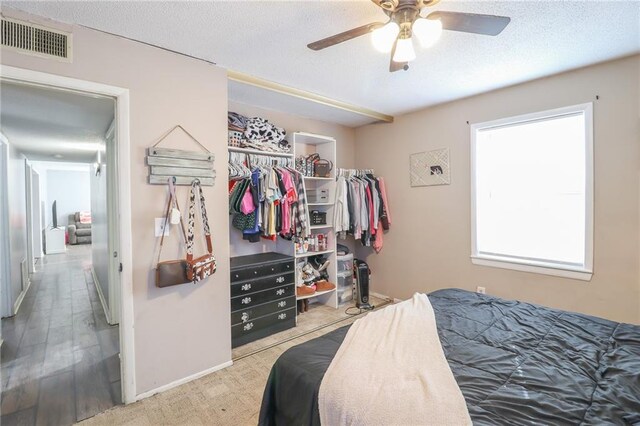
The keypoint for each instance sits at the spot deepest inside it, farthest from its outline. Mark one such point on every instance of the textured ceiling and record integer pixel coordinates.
(268, 39)
(43, 122)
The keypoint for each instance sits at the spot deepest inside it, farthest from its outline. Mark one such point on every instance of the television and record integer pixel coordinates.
(54, 214)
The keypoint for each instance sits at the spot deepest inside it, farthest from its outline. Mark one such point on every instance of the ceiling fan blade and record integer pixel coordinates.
(396, 66)
(347, 35)
(471, 22)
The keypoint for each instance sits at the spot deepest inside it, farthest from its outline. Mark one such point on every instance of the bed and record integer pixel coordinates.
(515, 363)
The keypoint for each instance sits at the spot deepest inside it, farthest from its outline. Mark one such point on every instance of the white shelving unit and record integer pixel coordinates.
(306, 144)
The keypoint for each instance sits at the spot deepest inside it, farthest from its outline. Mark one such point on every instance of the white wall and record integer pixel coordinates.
(428, 246)
(99, 229)
(17, 218)
(71, 189)
(36, 209)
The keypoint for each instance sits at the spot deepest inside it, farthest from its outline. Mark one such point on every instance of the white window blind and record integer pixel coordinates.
(532, 192)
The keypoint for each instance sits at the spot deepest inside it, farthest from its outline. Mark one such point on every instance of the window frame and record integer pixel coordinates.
(536, 266)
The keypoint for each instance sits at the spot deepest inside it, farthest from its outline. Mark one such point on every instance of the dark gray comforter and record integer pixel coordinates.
(516, 363)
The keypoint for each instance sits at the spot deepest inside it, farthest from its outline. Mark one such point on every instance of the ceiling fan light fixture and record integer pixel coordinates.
(404, 50)
(384, 37)
(427, 31)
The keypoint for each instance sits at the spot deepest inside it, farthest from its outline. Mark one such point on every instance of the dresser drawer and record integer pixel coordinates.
(260, 284)
(260, 270)
(253, 299)
(264, 322)
(249, 314)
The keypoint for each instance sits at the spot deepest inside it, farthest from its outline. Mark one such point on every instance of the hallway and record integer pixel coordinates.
(60, 360)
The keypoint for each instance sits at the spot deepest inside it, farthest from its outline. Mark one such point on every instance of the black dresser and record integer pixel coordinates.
(263, 296)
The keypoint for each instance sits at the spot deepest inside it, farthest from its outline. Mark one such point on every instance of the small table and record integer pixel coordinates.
(55, 240)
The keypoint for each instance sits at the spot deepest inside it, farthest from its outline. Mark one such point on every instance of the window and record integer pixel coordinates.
(532, 192)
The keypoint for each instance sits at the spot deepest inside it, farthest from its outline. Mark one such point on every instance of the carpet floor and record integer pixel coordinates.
(231, 396)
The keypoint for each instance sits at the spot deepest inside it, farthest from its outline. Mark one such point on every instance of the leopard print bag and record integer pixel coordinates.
(204, 266)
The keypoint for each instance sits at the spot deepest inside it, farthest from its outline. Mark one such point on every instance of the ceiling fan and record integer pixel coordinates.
(405, 21)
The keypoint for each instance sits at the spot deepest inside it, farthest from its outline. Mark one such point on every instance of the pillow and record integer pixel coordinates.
(85, 217)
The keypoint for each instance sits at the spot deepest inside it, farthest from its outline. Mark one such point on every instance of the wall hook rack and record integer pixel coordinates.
(180, 165)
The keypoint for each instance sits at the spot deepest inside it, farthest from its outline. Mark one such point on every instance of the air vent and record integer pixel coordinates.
(35, 40)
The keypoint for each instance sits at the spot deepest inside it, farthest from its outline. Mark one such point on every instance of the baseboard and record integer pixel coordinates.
(182, 381)
(105, 308)
(380, 296)
(20, 298)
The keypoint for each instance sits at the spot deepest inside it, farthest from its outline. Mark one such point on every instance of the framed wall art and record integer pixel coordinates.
(430, 168)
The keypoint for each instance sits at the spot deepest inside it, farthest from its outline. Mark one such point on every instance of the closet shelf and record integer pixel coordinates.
(317, 293)
(258, 152)
(313, 253)
(312, 139)
(320, 204)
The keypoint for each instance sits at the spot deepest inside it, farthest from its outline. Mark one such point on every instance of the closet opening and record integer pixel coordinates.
(291, 273)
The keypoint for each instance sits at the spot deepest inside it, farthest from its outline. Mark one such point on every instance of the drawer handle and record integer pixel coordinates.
(282, 304)
(288, 266)
(248, 327)
(245, 317)
(273, 269)
(237, 276)
(280, 279)
(255, 272)
(246, 287)
(280, 292)
(246, 301)
(282, 316)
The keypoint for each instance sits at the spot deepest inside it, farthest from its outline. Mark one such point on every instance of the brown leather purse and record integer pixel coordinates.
(171, 272)
(201, 267)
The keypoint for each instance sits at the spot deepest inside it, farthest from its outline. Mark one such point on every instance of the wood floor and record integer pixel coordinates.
(60, 359)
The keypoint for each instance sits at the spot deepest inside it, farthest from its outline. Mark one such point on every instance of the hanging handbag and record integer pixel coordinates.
(171, 272)
(322, 168)
(201, 267)
(311, 161)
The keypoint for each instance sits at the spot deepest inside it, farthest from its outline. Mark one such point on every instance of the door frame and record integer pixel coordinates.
(36, 216)
(29, 205)
(5, 248)
(122, 183)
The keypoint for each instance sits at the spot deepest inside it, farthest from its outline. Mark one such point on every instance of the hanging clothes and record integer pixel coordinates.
(266, 198)
(361, 207)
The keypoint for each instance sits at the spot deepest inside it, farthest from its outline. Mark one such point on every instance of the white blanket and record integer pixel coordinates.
(390, 370)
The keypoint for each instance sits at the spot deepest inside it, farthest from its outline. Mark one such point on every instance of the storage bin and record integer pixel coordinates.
(345, 295)
(345, 286)
(318, 195)
(236, 139)
(318, 217)
(345, 263)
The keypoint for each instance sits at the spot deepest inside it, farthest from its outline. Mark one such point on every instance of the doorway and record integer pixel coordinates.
(87, 337)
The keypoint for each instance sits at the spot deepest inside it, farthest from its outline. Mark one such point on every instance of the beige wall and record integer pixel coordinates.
(428, 246)
(345, 156)
(182, 330)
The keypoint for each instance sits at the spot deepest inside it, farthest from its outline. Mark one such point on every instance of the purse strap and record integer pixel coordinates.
(196, 188)
(172, 200)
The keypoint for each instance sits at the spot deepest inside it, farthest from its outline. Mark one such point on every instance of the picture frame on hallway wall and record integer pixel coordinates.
(430, 168)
